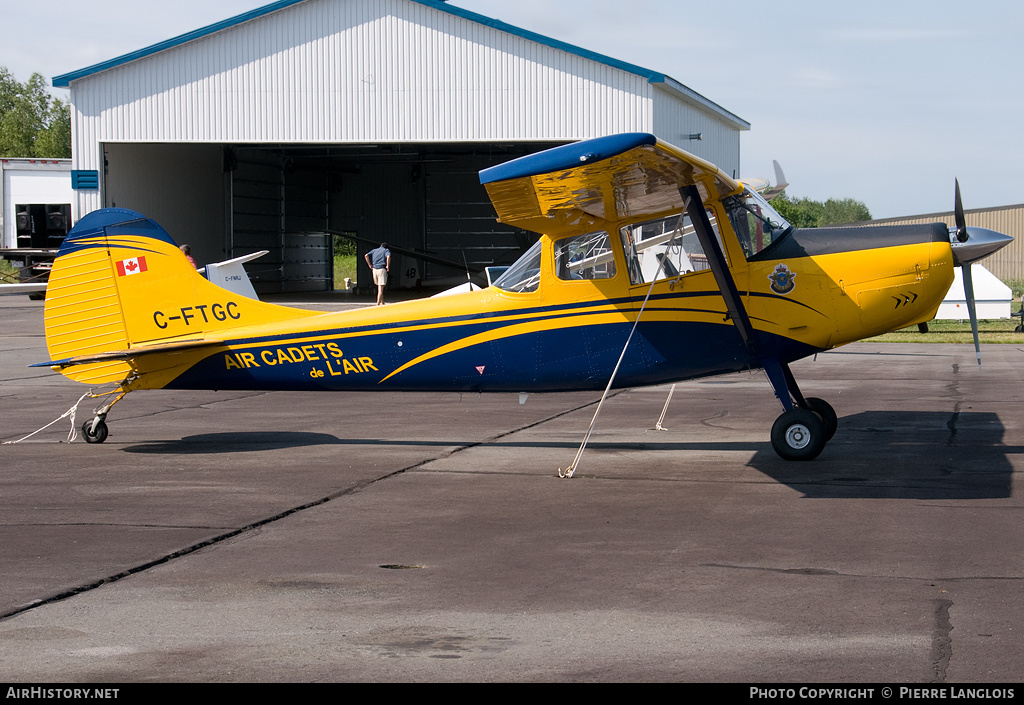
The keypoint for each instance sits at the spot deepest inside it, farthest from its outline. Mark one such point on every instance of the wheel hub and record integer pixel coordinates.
(798, 436)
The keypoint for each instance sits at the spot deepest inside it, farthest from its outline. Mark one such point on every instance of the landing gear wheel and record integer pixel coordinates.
(827, 415)
(97, 434)
(798, 434)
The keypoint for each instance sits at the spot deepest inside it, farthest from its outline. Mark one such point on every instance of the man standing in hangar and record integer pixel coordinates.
(379, 260)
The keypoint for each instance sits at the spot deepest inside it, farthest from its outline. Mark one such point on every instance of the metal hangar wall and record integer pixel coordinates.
(370, 117)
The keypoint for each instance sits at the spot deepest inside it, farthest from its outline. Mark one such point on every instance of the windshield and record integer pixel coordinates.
(524, 275)
(756, 223)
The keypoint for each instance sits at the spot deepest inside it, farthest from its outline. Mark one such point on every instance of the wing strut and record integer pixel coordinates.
(779, 374)
(719, 267)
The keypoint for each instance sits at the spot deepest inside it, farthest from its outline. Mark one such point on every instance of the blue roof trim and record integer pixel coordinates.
(64, 80)
(651, 76)
(567, 156)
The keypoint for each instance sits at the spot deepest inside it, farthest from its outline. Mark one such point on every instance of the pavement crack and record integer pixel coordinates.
(951, 424)
(510, 432)
(714, 417)
(942, 641)
(219, 538)
(786, 571)
(954, 390)
(254, 526)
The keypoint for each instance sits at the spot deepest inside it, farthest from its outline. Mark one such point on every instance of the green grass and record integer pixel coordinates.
(344, 266)
(995, 331)
(8, 272)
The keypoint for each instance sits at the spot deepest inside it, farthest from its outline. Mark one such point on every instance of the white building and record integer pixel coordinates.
(366, 116)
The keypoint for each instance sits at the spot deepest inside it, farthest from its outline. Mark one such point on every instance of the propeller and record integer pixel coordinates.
(963, 236)
(971, 244)
(958, 213)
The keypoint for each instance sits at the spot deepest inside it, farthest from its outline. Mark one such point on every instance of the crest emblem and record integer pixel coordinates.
(783, 279)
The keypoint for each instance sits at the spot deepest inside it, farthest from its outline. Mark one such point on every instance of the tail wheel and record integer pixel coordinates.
(94, 433)
(827, 415)
(799, 434)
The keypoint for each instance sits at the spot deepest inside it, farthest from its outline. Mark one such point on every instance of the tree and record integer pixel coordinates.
(847, 210)
(32, 122)
(805, 213)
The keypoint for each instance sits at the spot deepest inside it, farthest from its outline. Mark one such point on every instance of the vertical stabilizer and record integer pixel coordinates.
(119, 282)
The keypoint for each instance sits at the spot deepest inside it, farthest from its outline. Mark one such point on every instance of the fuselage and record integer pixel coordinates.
(809, 291)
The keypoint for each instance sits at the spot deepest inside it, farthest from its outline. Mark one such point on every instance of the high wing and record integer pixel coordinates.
(613, 177)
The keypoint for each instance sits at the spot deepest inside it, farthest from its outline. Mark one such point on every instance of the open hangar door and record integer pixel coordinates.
(180, 186)
(226, 202)
(419, 198)
(231, 200)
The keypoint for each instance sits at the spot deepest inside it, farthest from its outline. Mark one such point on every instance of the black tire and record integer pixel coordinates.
(97, 435)
(798, 434)
(826, 413)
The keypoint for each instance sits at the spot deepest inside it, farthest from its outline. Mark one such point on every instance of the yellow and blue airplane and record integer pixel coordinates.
(639, 241)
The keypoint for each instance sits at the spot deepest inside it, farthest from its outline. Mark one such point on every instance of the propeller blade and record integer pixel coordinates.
(958, 212)
(969, 294)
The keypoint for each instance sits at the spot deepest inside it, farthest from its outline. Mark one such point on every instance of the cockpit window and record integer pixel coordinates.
(664, 248)
(584, 257)
(524, 275)
(756, 223)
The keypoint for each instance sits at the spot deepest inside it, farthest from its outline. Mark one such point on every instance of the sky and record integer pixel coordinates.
(885, 102)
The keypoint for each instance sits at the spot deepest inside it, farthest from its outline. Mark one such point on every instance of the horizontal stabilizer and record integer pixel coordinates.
(132, 353)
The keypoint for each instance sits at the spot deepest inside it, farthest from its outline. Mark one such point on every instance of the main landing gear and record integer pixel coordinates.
(806, 425)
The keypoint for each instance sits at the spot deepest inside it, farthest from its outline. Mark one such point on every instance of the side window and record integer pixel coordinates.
(664, 248)
(584, 257)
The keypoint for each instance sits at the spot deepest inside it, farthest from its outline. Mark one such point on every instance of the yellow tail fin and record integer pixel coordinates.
(120, 283)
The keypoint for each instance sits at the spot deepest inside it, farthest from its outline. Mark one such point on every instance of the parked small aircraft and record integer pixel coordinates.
(639, 241)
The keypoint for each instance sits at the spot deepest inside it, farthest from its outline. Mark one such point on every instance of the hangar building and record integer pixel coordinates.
(371, 117)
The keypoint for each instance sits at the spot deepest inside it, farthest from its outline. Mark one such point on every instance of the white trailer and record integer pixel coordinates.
(36, 196)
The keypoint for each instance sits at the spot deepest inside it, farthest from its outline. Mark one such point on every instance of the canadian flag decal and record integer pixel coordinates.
(132, 265)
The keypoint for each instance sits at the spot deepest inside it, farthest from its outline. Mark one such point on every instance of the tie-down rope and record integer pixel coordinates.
(568, 472)
(72, 412)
